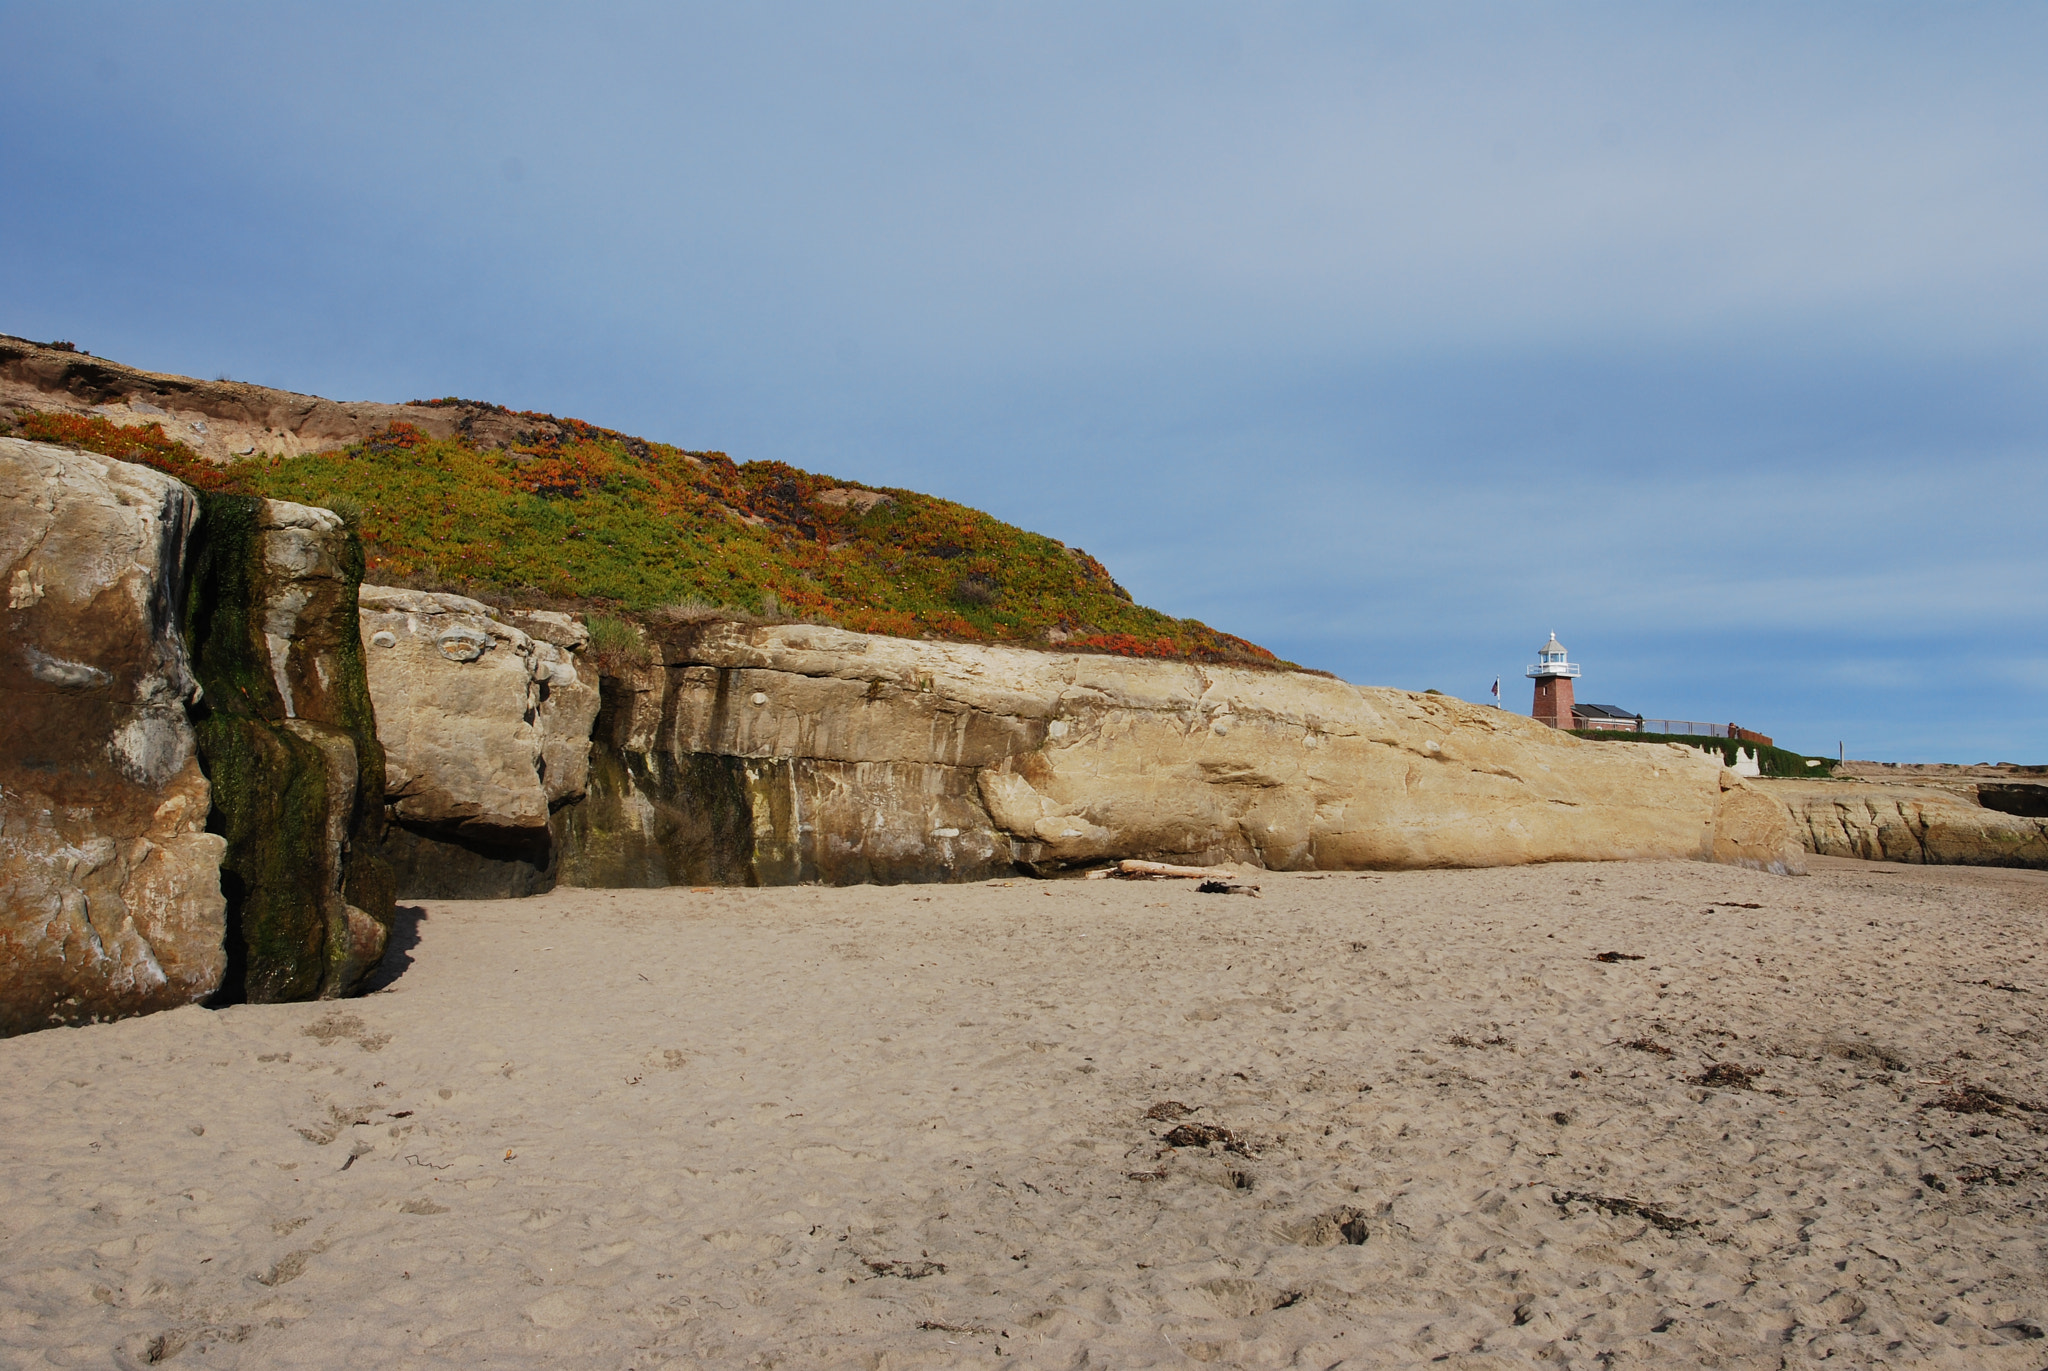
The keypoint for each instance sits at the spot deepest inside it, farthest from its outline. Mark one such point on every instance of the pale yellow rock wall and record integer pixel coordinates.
(1923, 823)
(790, 753)
(1083, 757)
(484, 725)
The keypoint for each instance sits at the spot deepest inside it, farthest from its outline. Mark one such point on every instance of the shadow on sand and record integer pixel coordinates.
(405, 936)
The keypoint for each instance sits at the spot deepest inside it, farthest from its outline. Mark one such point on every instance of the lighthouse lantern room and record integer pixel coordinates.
(1553, 676)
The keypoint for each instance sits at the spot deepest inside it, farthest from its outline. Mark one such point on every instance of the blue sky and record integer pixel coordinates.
(1711, 337)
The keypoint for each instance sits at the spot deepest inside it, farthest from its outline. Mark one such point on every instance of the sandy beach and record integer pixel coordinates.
(1793, 1121)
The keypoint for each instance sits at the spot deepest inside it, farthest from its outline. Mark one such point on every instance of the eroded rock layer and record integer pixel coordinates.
(846, 757)
(1924, 822)
(110, 902)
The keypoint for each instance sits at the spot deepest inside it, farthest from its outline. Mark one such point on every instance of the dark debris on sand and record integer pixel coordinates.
(909, 1271)
(1974, 1099)
(1205, 1135)
(1614, 1204)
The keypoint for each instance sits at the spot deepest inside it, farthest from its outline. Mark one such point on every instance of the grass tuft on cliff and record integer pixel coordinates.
(1771, 761)
(580, 515)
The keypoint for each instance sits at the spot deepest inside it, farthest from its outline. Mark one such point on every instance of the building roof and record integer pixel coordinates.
(1602, 711)
(1552, 646)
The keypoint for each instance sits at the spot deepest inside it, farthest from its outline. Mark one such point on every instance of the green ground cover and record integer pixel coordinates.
(1772, 761)
(583, 517)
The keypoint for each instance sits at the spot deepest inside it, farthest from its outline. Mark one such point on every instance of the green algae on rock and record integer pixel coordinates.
(651, 819)
(288, 740)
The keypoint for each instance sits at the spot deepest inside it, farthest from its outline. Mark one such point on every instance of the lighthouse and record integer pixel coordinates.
(1553, 676)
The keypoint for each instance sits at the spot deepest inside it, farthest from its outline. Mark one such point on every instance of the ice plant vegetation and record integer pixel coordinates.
(584, 516)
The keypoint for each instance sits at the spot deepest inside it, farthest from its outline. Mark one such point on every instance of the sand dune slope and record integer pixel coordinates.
(902, 1127)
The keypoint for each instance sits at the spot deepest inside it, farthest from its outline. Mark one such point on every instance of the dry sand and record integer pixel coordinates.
(907, 1127)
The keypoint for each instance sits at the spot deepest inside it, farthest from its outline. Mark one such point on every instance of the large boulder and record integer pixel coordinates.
(1920, 821)
(486, 731)
(110, 896)
(798, 753)
(288, 738)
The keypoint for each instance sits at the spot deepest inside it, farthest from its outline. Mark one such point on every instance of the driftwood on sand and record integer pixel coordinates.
(1215, 880)
(1132, 869)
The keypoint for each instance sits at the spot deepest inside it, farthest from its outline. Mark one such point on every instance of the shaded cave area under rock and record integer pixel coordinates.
(428, 863)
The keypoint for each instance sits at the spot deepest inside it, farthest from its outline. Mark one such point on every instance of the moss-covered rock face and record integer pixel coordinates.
(660, 818)
(288, 739)
(652, 819)
(270, 803)
(680, 794)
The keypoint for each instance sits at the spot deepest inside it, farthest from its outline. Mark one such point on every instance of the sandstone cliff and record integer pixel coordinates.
(796, 753)
(110, 902)
(1930, 819)
(749, 755)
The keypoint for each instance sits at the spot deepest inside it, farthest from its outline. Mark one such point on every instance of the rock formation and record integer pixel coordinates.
(192, 782)
(796, 753)
(486, 730)
(110, 903)
(238, 679)
(1925, 819)
(225, 756)
(288, 738)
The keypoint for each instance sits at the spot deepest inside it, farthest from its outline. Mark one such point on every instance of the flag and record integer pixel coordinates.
(1496, 690)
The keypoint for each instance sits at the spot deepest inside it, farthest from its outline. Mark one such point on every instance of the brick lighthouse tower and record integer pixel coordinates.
(1553, 676)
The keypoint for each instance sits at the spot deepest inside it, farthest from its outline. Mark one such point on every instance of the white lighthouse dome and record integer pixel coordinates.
(1550, 662)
